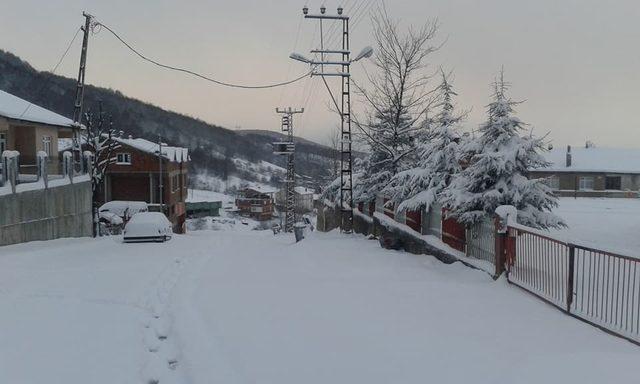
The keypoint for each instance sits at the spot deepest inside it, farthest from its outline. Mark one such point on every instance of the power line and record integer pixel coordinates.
(178, 69)
(53, 71)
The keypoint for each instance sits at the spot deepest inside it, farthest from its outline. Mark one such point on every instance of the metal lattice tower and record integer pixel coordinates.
(346, 163)
(288, 148)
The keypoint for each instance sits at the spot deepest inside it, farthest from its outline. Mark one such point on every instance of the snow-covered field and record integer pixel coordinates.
(612, 224)
(247, 306)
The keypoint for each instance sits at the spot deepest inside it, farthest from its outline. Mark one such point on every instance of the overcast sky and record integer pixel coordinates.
(575, 62)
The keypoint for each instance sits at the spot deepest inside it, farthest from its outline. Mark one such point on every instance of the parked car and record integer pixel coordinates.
(148, 226)
(124, 209)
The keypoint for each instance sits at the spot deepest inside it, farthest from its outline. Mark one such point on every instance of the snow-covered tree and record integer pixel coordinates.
(438, 158)
(100, 142)
(496, 175)
(396, 101)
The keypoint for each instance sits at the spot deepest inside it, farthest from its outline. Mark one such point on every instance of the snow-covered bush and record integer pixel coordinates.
(499, 161)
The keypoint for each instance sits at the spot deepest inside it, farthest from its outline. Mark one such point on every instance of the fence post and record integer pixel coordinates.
(500, 245)
(572, 259)
(42, 168)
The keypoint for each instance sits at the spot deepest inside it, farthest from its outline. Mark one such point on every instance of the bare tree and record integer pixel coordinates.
(333, 141)
(101, 144)
(397, 99)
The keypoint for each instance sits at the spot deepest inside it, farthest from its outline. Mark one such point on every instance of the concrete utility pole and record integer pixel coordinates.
(344, 109)
(288, 148)
(160, 181)
(77, 107)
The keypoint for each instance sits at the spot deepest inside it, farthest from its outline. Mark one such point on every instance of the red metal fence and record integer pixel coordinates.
(596, 286)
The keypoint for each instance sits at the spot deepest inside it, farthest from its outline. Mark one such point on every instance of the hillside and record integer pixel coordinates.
(214, 149)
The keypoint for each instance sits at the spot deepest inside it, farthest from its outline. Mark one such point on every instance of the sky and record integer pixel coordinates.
(574, 63)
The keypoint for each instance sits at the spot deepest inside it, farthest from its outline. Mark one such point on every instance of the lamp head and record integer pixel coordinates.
(365, 53)
(305, 10)
(299, 57)
(323, 9)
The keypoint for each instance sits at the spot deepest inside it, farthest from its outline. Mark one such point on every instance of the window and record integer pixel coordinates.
(123, 159)
(586, 183)
(3, 143)
(46, 145)
(613, 183)
(175, 183)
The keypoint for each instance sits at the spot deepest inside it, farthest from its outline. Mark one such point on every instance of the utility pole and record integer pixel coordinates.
(288, 148)
(160, 181)
(346, 163)
(77, 107)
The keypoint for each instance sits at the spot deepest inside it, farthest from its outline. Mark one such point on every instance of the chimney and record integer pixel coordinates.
(568, 162)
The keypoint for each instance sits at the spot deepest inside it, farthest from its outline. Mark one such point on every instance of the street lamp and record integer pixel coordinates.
(365, 53)
(299, 57)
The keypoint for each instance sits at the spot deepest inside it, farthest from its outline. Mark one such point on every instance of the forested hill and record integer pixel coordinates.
(213, 148)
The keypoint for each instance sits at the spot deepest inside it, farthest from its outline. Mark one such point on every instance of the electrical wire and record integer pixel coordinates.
(187, 71)
(53, 71)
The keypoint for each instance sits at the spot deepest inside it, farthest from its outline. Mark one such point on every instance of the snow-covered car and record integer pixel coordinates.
(148, 226)
(124, 209)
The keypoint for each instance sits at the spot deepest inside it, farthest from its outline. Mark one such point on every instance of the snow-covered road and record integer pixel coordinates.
(248, 307)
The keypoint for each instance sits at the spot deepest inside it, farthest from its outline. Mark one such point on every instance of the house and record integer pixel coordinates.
(136, 176)
(28, 129)
(304, 199)
(591, 171)
(256, 202)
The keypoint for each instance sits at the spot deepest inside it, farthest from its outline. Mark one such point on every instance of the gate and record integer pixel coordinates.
(598, 287)
(481, 241)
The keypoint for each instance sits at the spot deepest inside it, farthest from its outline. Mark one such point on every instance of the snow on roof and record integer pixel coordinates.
(594, 159)
(263, 189)
(177, 154)
(303, 191)
(16, 108)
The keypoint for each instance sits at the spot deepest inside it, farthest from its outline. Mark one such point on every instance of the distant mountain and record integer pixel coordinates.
(214, 149)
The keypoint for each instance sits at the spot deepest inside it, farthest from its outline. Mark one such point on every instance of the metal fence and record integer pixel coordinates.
(596, 286)
(481, 241)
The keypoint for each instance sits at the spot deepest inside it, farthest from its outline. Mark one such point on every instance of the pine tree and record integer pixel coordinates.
(438, 158)
(499, 162)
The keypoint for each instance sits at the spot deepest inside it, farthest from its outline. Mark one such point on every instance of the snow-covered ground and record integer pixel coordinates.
(247, 306)
(612, 224)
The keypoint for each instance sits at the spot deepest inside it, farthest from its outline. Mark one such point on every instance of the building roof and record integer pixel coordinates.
(594, 159)
(15, 108)
(177, 154)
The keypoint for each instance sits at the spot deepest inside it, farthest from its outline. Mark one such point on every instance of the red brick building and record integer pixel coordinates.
(135, 176)
(256, 202)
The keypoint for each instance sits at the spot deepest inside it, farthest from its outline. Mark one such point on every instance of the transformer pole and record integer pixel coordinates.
(288, 148)
(346, 157)
(77, 107)
(160, 176)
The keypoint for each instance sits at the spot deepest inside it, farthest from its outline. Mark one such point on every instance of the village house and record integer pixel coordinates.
(135, 176)
(28, 129)
(304, 199)
(590, 171)
(256, 202)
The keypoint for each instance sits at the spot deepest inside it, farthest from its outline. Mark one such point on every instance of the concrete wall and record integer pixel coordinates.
(57, 212)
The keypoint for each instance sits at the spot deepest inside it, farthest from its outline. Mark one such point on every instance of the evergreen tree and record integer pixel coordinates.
(438, 158)
(497, 171)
